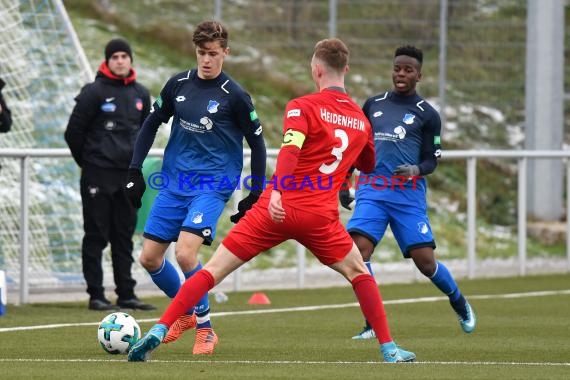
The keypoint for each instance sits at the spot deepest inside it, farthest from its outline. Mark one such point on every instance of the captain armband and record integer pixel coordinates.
(292, 137)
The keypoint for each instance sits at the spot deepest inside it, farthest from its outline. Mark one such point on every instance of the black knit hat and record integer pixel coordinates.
(115, 45)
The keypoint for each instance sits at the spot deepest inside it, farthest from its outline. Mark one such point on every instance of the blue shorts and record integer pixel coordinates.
(172, 213)
(409, 223)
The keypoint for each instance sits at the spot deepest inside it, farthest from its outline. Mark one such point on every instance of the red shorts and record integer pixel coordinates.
(326, 238)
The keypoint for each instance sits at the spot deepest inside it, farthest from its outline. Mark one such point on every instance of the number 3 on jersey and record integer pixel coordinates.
(336, 151)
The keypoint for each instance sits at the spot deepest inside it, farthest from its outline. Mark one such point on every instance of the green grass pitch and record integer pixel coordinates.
(523, 332)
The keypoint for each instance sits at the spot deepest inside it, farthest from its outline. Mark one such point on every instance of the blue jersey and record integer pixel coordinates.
(406, 130)
(210, 119)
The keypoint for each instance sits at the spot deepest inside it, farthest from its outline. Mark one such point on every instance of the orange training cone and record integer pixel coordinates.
(259, 299)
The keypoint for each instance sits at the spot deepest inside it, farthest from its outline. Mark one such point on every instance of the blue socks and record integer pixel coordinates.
(444, 281)
(369, 266)
(167, 279)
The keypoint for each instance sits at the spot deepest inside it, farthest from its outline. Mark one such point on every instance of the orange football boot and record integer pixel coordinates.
(185, 322)
(206, 340)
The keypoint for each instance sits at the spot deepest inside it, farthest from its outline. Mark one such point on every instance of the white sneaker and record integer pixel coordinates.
(366, 333)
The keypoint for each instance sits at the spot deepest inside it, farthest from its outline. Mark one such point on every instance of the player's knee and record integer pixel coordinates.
(427, 268)
(150, 263)
(366, 254)
(186, 259)
(425, 260)
(365, 246)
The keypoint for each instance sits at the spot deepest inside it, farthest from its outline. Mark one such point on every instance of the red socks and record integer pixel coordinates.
(364, 287)
(188, 296)
(372, 307)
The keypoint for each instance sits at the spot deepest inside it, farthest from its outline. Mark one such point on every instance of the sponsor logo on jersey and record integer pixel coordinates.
(400, 132)
(109, 100)
(180, 98)
(293, 113)
(258, 131)
(212, 106)
(423, 228)
(158, 102)
(377, 114)
(108, 107)
(207, 232)
(204, 125)
(207, 122)
(409, 118)
(139, 104)
(197, 217)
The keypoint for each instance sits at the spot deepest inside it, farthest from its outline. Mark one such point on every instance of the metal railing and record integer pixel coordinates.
(471, 157)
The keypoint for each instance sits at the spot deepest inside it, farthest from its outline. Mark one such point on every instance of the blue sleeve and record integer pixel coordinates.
(366, 106)
(145, 139)
(161, 111)
(258, 161)
(249, 123)
(431, 148)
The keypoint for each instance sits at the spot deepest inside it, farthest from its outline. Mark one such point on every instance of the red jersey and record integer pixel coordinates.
(337, 136)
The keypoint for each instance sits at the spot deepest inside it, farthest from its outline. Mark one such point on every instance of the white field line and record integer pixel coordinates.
(313, 308)
(292, 362)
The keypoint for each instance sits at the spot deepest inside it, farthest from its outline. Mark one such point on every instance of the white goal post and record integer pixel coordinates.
(44, 68)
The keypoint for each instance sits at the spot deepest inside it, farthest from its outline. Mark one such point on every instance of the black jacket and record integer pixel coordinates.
(105, 121)
(5, 114)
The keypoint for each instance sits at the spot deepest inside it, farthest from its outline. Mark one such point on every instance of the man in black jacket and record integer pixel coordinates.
(5, 114)
(101, 134)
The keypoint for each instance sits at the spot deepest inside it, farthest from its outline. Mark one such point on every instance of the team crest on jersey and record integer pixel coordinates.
(423, 228)
(409, 118)
(139, 104)
(213, 106)
(197, 217)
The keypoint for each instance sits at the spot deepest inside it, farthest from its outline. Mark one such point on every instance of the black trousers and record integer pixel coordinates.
(108, 217)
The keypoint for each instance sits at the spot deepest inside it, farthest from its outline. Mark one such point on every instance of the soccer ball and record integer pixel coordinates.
(118, 332)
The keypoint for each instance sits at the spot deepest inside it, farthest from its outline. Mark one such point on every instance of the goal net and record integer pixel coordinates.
(44, 68)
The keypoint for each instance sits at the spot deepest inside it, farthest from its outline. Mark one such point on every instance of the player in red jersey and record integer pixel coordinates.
(325, 133)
